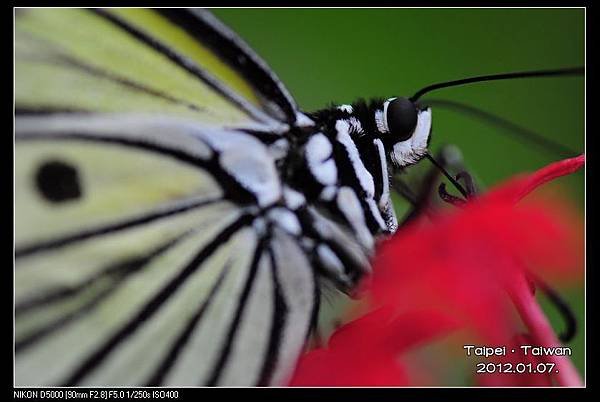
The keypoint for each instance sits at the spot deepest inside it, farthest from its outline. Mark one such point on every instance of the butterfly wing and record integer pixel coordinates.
(141, 255)
(142, 264)
(177, 62)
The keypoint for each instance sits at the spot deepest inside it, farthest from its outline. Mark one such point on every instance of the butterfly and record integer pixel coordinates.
(176, 213)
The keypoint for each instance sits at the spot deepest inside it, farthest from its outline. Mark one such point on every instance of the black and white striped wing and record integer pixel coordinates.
(139, 258)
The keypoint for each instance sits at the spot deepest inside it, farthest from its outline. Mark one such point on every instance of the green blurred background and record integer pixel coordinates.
(339, 55)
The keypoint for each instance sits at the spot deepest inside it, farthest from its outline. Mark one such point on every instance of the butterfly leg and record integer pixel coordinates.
(423, 197)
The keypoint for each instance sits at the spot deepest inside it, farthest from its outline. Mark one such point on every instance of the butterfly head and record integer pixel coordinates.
(405, 128)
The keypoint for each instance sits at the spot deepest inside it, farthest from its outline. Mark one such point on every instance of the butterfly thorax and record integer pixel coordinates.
(344, 162)
(394, 121)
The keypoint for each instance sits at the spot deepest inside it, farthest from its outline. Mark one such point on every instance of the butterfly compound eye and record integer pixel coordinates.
(401, 116)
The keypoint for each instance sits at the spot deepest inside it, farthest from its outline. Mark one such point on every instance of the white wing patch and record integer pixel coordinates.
(254, 169)
(285, 219)
(328, 193)
(293, 199)
(319, 159)
(303, 120)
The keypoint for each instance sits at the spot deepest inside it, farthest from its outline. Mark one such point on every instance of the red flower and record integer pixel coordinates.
(467, 270)
(365, 352)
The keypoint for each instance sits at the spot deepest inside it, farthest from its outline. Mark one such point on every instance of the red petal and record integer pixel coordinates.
(519, 187)
(432, 278)
(366, 351)
(462, 263)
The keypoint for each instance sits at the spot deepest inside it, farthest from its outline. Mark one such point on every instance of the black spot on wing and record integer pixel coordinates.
(232, 189)
(58, 181)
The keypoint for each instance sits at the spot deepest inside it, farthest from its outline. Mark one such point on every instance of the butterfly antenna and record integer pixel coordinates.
(497, 77)
(452, 180)
(519, 132)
